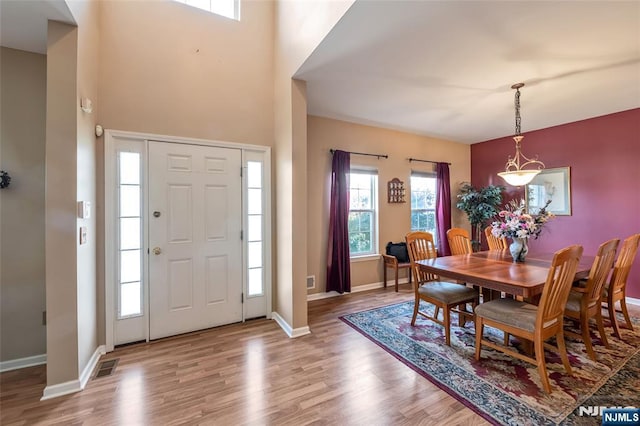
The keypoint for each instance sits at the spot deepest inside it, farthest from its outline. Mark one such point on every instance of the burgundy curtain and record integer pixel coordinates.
(443, 207)
(338, 265)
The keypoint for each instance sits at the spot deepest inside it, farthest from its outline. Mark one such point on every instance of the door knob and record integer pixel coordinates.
(156, 214)
(157, 250)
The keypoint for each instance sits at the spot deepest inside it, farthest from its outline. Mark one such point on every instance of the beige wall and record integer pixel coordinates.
(60, 203)
(300, 27)
(86, 15)
(22, 145)
(394, 219)
(171, 69)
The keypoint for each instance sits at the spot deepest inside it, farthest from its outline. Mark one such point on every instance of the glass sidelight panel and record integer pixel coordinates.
(129, 235)
(255, 236)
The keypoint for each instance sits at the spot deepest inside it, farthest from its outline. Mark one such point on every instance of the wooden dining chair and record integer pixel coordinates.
(615, 291)
(391, 262)
(442, 294)
(584, 302)
(495, 243)
(531, 322)
(459, 241)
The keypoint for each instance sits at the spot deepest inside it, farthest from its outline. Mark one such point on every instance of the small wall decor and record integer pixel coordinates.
(5, 179)
(396, 191)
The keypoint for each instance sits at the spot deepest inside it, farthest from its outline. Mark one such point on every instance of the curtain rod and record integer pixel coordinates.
(426, 161)
(363, 153)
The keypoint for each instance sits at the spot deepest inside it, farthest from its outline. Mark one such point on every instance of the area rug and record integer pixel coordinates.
(500, 388)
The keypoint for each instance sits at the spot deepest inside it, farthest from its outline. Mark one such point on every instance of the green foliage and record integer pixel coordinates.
(480, 205)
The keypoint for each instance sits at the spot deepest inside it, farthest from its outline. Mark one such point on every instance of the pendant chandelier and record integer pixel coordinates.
(515, 173)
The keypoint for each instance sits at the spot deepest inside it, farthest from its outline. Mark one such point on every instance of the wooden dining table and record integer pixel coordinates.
(496, 270)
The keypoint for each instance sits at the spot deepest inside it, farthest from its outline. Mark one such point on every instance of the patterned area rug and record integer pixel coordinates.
(500, 388)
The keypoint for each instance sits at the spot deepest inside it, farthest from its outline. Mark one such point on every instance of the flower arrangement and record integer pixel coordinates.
(517, 223)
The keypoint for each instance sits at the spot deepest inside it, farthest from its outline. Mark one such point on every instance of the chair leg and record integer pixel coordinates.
(436, 312)
(416, 305)
(479, 331)
(542, 367)
(384, 268)
(586, 336)
(603, 335)
(612, 317)
(396, 280)
(562, 348)
(625, 312)
(506, 339)
(447, 325)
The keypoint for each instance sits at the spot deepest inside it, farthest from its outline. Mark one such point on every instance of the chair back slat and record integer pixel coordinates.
(623, 264)
(420, 246)
(600, 271)
(495, 243)
(459, 241)
(556, 289)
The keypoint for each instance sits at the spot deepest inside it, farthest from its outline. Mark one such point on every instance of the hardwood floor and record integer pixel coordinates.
(248, 373)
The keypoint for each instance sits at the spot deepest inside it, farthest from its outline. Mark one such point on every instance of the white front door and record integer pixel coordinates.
(195, 223)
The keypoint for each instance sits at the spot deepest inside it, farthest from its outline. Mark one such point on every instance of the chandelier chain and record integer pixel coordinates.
(517, 105)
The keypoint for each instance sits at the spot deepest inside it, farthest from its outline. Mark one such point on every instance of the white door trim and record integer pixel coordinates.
(110, 138)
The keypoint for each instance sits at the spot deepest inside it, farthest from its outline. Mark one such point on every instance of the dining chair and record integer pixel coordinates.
(615, 291)
(442, 294)
(531, 322)
(459, 241)
(584, 302)
(495, 243)
(391, 262)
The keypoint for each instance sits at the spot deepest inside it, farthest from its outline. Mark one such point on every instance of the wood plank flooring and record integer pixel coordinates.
(248, 373)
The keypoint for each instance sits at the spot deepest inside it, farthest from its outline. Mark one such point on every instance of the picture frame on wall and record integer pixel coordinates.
(550, 184)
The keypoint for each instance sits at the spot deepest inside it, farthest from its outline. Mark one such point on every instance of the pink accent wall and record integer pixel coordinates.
(604, 156)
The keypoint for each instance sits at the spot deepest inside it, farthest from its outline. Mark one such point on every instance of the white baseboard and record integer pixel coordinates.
(15, 364)
(291, 332)
(88, 369)
(356, 289)
(632, 301)
(73, 386)
(65, 388)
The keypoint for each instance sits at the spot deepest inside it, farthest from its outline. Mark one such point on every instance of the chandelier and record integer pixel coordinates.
(515, 173)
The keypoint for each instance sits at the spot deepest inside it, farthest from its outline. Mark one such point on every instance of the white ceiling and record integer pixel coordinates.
(23, 23)
(444, 68)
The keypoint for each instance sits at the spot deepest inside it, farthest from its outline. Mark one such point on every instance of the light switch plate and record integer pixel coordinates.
(84, 209)
(83, 235)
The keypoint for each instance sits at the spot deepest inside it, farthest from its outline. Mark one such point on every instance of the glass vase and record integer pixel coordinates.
(519, 249)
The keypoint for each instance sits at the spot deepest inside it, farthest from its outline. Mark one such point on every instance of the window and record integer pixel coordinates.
(227, 8)
(363, 203)
(129, 235)
(423, 203)
(255, 237)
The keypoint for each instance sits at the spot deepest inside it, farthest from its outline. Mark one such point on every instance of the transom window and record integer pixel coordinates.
(226, 8)
(363, 205)
(423, 203)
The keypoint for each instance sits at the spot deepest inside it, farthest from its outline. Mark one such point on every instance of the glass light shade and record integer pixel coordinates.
(519, 177)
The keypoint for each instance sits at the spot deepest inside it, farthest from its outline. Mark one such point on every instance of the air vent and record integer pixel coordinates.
(311, 281)
(106, 368)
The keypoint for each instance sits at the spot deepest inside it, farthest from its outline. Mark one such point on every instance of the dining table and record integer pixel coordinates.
(495, 270)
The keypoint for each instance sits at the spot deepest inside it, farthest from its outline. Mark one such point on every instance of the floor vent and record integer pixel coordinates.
(106, 368)
(311, 281)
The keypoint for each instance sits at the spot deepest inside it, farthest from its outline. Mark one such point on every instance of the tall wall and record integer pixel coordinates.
(171, 69)
(300, 27)
(60, 204)
(603, 154)
(394, 219)
(22, 147)
(86, 14)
